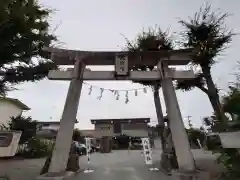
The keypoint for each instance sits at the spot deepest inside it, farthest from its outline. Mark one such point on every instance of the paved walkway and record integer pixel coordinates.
(121, 165)
(118, 165)
(26, 169)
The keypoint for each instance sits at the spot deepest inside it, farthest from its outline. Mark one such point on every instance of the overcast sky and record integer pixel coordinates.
(98, 25)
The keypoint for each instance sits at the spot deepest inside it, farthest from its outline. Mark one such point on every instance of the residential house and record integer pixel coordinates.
(46, 125)
(133, 127)
(121, 131)
(10, 107)
(48, 129)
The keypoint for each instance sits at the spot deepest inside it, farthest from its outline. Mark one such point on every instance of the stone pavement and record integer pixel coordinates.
(121, 165)
(26, 169)
(118, 165)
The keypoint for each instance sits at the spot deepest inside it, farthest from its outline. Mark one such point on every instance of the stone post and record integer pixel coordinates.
(179, 135)
(64, 137)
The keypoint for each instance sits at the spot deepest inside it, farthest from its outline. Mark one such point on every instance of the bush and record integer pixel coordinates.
(230, 158)
(36, 148)
(26, 125)
(194, 135)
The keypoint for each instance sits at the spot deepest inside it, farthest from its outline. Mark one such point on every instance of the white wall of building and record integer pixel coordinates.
(8, 110)
(104, 130)
(140, 130)
(11, 148)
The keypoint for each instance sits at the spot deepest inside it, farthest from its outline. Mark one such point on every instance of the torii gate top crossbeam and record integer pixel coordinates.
(150, 58)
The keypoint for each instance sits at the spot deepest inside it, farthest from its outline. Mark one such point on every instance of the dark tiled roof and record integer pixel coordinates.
(123, 120)
(48, 122)
(51, 122)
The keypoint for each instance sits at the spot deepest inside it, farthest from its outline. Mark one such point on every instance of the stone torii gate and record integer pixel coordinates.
(123, 61)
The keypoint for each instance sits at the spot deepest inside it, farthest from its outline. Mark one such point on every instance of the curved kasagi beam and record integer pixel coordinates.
(150, 58)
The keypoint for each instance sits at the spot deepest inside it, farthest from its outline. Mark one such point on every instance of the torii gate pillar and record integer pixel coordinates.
(179, 135)
(64, 137)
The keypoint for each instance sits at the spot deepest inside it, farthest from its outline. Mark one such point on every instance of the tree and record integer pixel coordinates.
(77, 136)
(231, 102)
(230, 158)
(152, 40)
(230, 105)
(207, 35)
(24, 31)
(26, 125)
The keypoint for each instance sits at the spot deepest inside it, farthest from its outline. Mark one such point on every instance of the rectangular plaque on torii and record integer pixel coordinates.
(121, 64)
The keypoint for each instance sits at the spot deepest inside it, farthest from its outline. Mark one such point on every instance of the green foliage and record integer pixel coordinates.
(206, 33)
(190, 84)
(35, 148)
(77, 136)
(194, 135)
(230, 158)
(26, 125)
(151, 40)
(24, 31)
(231, 102)
(212, 123)
(32, 147)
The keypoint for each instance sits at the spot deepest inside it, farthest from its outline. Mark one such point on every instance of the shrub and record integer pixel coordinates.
(36, 148)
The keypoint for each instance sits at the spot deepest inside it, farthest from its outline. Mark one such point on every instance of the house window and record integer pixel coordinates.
(117, 128)
(105, 128)
(5, 139)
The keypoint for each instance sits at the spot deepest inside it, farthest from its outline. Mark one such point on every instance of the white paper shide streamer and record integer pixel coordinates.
(115, 92)
(88, 148)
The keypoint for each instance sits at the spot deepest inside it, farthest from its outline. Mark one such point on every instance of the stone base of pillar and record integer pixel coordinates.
(55, 176)
(165, 164)
(72, 168)
(198, 175)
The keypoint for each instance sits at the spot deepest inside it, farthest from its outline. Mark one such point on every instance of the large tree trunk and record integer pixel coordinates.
(159, 115)
(214, 98)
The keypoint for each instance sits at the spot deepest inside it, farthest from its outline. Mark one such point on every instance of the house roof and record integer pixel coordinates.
(123, 120)
(48, 122)
(88, 132)
(47, 133)
(16, 102)
(51, 122)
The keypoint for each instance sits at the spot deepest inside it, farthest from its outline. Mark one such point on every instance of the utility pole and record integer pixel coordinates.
(189, 121)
